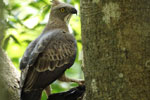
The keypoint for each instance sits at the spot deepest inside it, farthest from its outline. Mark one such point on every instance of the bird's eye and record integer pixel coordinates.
(62, 9)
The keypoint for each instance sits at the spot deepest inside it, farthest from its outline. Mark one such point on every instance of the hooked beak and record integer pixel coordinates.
(73, 11)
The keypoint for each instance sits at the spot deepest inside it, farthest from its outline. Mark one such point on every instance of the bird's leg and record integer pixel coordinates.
(63, 78)
(48, 90)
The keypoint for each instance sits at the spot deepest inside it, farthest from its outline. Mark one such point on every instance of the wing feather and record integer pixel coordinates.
(61, 56)
(53, 54)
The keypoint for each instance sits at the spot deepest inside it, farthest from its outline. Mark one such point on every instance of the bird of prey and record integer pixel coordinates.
(48, 56)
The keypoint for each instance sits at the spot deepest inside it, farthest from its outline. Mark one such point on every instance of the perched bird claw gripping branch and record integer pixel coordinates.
(48, 56)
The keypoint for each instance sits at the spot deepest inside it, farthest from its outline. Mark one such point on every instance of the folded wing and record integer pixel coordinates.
(53, 53)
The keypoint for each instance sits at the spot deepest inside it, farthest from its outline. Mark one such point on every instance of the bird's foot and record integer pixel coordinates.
(48, 90)
(63, 78)
(78, 81)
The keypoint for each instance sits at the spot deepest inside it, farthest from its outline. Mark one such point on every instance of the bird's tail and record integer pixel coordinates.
(31, 95)
(72, 94)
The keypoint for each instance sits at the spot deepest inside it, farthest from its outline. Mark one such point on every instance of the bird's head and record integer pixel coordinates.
(62, 11)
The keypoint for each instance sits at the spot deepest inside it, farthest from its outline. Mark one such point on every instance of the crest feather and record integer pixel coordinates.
(55, 2)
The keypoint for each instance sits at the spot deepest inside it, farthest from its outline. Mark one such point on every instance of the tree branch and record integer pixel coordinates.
(9, 83)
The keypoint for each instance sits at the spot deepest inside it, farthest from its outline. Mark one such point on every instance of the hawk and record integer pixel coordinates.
(48, 56)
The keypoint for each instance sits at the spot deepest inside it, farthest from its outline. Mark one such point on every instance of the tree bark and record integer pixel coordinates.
(9, 79)
(116, 49)
(9, 76)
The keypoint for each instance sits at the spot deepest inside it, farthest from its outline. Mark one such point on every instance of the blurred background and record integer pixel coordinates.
(26, 20)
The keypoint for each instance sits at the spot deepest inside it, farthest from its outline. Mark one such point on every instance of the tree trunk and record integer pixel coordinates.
(9, 76)
(116, 49)
(9, 79)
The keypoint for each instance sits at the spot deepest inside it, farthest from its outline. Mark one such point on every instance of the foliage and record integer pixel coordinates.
(26, 20)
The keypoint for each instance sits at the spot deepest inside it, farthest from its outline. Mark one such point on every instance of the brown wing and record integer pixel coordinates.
(57, 56)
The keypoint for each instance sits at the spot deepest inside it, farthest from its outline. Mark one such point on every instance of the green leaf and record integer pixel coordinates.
(11, 24)
(27, 17)
(27, 41)
(35, 5)
(6, 41)
(15, 6)
(15, 39)
(38, 25)
(44, 97)
(45, 10)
